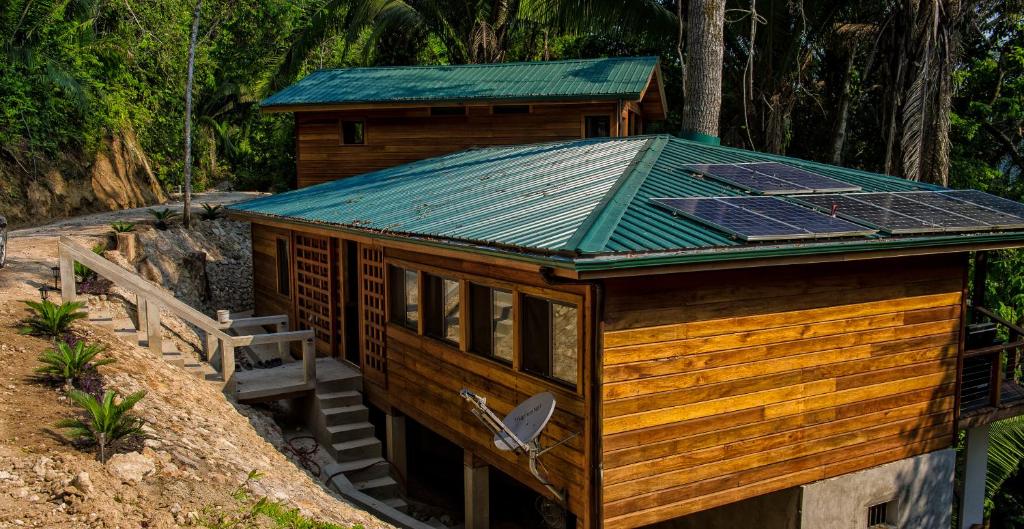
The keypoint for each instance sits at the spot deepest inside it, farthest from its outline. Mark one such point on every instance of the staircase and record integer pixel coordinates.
(341, 425)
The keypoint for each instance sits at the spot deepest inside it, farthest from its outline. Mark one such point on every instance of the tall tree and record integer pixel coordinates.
(186, 216)
(703, 71)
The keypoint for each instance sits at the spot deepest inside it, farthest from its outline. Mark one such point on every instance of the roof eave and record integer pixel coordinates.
(363, 105)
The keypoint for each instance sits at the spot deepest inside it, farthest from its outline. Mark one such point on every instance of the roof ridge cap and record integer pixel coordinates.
(481, 65)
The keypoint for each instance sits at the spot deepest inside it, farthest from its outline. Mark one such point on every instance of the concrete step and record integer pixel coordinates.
(357, 449)
(345, 415)
(349, 431)
(339, 398)
(398, 504)
(360, 469)
(329, 383)
(383, 487)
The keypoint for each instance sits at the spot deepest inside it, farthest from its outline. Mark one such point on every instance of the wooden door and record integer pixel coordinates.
(372, 311)
(315, 288)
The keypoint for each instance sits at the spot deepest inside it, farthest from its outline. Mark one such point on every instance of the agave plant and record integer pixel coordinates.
(71, 362)
(51, 319)
(163, 216)
(122, 227)
(212, 212)
(105, 422)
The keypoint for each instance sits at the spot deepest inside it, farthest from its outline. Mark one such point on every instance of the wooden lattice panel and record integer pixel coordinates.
(371, 305)
(314, 264)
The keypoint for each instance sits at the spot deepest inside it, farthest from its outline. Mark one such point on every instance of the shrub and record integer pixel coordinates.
(122, 227)
(51, 319)
(105, 422)
(84, 273)
(211, 212)
(70, 362)
(163, 216)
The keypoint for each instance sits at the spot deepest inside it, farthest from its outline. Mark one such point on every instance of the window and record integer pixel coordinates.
(441, 308)
(490, 315)
(404, 299)
(597, 126)
(353, 132)
(510, 109)
(548, 333)
(882, 515)
(636, 124)
(447, 111)
(283, 268)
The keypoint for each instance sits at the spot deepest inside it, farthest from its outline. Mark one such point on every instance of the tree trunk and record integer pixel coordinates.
(705, 50)
(842, 112)
(186, 215)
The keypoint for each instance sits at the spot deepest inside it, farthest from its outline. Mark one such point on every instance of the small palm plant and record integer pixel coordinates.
(122, 227)
(212, 212)
(163, 216)
(51, 319)
(84, 273)
(70, 362)
(105, 422)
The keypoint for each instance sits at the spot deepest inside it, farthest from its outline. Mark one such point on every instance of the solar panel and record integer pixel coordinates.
(761, 218)
(986, 200)
(771, 178)
(915, 212)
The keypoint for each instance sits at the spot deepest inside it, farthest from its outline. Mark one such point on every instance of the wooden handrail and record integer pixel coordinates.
(998, 348)
(1000, 320)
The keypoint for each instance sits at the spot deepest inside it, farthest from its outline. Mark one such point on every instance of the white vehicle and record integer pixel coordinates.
(3, 241)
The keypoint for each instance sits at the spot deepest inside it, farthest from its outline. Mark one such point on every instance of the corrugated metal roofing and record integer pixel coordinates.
(584, 198)
(612, 78)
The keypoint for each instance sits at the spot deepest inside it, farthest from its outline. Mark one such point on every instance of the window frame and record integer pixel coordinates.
(424, 306)
(392, 316)
(583, 125)
(550, 309)
(490, 355)
(283, 288)
(341, 132)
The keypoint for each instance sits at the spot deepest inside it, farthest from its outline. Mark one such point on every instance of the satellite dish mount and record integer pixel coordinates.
(519, 432)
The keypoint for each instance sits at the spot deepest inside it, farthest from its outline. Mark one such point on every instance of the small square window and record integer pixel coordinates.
(404, 297)
(353, 132)
(882, 515)
(447, 111)
(441, 308)
(550, 339)
(597, 127)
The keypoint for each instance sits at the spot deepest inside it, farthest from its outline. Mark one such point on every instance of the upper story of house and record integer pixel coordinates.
(356, 120)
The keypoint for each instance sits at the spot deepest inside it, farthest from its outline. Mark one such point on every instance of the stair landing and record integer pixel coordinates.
(286, 381)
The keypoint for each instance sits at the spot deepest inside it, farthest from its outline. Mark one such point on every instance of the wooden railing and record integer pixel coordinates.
(991, 377)
(151, 299)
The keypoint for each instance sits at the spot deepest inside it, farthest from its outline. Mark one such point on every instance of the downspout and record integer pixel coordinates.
(596, 350)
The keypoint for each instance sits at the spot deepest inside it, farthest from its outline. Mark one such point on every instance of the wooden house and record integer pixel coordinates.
(356, 120)
(704, 354)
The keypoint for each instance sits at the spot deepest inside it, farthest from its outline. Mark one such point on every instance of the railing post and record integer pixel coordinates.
(282, 347)
(210, 344)
(227, 364)
(153, 334)
(68, 289)
(141, 310)
(309, 361)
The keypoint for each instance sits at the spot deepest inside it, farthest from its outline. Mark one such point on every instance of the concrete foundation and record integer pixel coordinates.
(921, 489)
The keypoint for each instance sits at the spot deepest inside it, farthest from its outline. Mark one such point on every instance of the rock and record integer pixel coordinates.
(83, 483)
(131, 467)
(42, 467)
(5, 475)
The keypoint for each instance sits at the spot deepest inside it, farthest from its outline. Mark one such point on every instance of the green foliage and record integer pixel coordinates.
(69, 362)
(212, 212)
(123, 227)
(105, 421)
(84, 273)
(51, 319)
(163, 216)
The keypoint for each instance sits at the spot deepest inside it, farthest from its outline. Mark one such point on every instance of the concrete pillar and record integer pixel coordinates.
(972, 498)
(477, 492)
(67, 278)
(395, 427)
(154, 334)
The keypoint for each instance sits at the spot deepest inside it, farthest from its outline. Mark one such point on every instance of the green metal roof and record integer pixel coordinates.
(582, 203)
(613, 78)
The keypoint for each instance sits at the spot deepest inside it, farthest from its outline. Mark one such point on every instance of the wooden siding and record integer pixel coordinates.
(425, 376)
(264, 262)
(397, 136)
(719, 386)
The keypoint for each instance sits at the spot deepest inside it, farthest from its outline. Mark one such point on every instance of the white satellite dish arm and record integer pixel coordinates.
(515, 444)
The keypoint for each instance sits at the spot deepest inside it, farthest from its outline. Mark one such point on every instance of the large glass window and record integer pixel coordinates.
(404, 298)
(550, 341)
(490, 314)
(441, 308)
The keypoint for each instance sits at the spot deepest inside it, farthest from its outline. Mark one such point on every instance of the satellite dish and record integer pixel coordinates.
(526, 421)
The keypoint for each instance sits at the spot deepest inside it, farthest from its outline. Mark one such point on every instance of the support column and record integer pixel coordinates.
(972, 497)
(154, 334)
(395, 427)
(477, 492)
(67, 277)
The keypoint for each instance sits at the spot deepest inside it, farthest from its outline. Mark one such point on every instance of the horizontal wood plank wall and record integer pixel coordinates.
(398, 136)
(264, 262)
(425, 376)
(719, 386)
